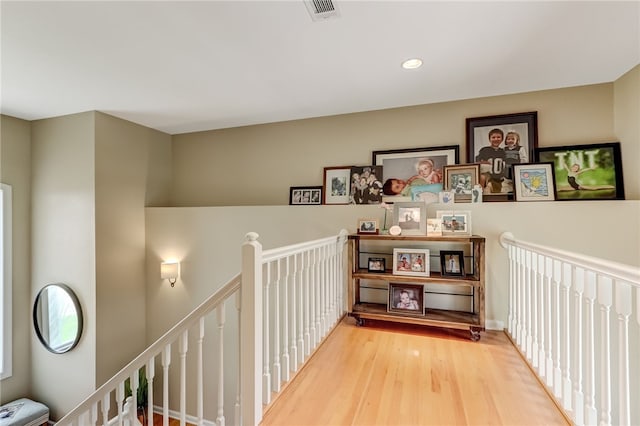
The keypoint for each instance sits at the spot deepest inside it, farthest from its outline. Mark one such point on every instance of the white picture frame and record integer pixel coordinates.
(455, 222)
(411, 261)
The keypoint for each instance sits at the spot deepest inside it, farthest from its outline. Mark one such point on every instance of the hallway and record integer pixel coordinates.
(393, 374)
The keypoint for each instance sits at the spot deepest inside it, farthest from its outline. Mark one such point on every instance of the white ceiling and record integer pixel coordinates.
(188, 66)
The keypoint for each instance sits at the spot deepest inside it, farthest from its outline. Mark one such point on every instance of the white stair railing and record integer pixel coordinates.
(576, 319)
(282, 317)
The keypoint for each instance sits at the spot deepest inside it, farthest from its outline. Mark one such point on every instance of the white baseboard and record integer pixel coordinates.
(494, 325)
(189, 418)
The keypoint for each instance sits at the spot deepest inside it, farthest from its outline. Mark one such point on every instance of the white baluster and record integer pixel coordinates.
(548, 271)
(528, 305)
(94, 413)
(557, 355)
(300, 305)
(520, 297)
(134, 380)
(535, 306)
(120, 402)
(286, 368)
(293, 352)
(166, 362)
(578, 394)
(106, 402)
(307, 307)
(624, 296)
(151, 372)
(542, 316)
(200, 397)
(237, 408)
(312, 297)
(567, 387)
(590, 412)
(511, 319)
(221, 317)
(277, 374)
(266, 375)
(605, 299)
(182, 351)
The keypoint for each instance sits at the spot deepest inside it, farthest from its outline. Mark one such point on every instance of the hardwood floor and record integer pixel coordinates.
(395, 374)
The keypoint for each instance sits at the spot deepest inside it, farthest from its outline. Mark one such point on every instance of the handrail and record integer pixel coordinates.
(280, 252)
(170, 336)
(612, 269)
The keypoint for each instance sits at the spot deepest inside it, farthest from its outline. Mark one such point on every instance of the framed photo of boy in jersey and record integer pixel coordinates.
(586, 172)
(497, 142)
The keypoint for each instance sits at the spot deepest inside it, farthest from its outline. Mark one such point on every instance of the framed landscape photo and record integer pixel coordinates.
(367, 226)
(336, 185)
(376, 264)
(413, 262)
(452, 263)
(414, 174)
(497, 142)
(410, 217)
(460, 179)
(534, 182)
(586, 172)
(406, 298)
(455, 222)
(305, 195)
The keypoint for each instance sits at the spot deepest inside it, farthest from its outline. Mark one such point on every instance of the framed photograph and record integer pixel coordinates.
(406, 298)
(414, 174)
(414, 262)
(534, 182)
(460, 179)
(336, 185)
(367, 226)
(497, 142)
(305, 195)
(586, 172)
(455, 222)
(366, 187)
(376, 264)
(434, 227)
(452, 263)
(411, 217)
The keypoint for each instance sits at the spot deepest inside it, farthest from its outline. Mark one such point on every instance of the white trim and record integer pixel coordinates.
(6, 353)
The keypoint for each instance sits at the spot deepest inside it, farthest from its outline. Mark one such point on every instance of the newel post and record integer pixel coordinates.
(251, 331)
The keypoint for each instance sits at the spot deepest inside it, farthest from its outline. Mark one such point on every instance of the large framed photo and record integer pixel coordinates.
(455, 222)
(305, 195)
(414, 174)
(366, 187)
(406, 298)
(586, 172)
(460, 179)
(336, 185)
(452, 263)
(497, 142)
(411, 217)
(534, 182)
(413, 262)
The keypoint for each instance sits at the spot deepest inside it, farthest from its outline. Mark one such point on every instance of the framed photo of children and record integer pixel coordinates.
(411, 217)
(586, 172)
(414, 262)
(366, 187)
(406, 298)
(452, 263)
(534, 182)
(414, 174)
(455, 222)
(460, 179)
(305, 195)
(336, 185)
(367, 226)
(497, 142)
(376, 264)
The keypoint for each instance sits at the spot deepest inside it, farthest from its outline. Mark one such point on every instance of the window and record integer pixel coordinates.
(5, 281)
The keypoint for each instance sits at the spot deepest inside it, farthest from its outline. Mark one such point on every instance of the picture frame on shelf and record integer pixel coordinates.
(519, 130)
(368, 226)
(434, 227)
(411, 261)
(406, 298)
(365, 185)
(534, 182)
(452, 263)
(305, 195)
(460, 179)
(376, 264)
(455, 222)
(400, 166)
(586, 172)
(336, 185)
(411, 217)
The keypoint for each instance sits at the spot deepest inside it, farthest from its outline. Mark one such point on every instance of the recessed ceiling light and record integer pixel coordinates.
(411, 64)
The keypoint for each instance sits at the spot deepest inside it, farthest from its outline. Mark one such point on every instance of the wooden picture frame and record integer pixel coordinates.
(411, 217)
(403, 165)
(496, 172)
(376, 264)
(534, 182)
(455, 222)
(460, 179)
(411, 261)
(368, 226)
(305, 195)
(336, 185)
(452, 263)
(406, 299)
(586, 172)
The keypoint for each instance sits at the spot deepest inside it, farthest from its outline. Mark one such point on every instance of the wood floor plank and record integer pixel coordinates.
(396, 374)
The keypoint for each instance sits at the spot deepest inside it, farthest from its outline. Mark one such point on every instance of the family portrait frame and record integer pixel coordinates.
(406, 298)
(460, 179)
(534, 182)
(452, 263)
(414, 174)
(514, 138)
(455, 222)
(336, 185)
(365, 185)
(305, 195)
(411, 217)
(586, 172)
(368, 226)
(411, 261)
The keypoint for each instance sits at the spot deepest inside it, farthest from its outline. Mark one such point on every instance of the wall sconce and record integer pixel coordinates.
(170, 271)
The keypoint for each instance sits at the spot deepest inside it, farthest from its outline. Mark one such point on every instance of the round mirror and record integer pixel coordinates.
(57, 318)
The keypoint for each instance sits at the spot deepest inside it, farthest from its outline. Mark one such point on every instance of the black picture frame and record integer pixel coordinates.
(496, 177)
(452, 263)
(376, 264)
(305, 195)
(598, 175)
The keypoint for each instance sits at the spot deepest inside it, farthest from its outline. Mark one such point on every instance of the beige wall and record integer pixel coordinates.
(256, 165)
(627, 128)
(15, 170)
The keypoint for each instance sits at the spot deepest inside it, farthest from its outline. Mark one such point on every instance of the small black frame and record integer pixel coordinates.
(376, 264)
(452, 263)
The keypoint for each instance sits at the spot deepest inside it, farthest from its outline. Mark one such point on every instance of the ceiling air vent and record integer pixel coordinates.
(321, 9)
